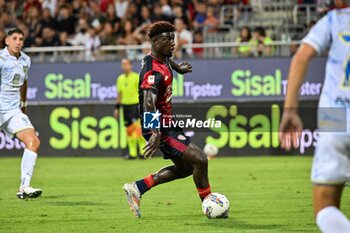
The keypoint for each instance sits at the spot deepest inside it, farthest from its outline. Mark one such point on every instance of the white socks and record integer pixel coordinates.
(332, 220)
(27, 167)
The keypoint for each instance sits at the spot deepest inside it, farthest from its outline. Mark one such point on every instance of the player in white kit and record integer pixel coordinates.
(14, 65)
(331, 163)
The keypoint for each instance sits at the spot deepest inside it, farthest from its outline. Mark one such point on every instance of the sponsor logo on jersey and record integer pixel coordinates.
(150, 79)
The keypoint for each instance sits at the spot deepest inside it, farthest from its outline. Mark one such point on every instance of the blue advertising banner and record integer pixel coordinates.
(211, 80)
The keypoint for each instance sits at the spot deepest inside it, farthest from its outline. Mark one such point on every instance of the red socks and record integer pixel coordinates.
(149, 181)
(145, 184)
(203, 192)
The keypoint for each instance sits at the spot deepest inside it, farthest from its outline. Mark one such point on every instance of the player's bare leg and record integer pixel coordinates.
(179, 170)
(32, 143)
(30, 139)
(328, 216)
(199, 161)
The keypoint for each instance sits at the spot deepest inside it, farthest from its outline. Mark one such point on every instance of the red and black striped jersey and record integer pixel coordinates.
(157, 77)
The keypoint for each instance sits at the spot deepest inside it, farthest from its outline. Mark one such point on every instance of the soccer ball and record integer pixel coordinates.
(216, 205)
(210, 150)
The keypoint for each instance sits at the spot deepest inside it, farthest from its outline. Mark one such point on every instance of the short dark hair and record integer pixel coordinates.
(14, 30)
(160, 27)
(260, 30)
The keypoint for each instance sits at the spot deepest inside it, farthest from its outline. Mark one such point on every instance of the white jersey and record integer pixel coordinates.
(333, 32)
(13, 73)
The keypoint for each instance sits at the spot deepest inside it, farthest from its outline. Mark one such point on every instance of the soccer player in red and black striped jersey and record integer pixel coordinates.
(155, 96)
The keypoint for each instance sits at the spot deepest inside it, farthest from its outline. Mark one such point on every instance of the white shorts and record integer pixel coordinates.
(331, 163)
(14, 121)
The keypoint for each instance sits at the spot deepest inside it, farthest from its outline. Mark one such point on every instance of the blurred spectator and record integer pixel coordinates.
(82, 36)
(6, 22)
(28, 41)
(2, 39)
(132, 14)
(96, 18)
(158, 14)
(49, 38)
(107, 35)
(178, 12)
(145, 15)
(63, 37)
(91, 46)
(198, 39)
(3, 7)
(66, 22)
(211, 22)
(51, 5)
(117, 28)
(80, 8)
(104, 4)
(262, 42)
(33, 21)
(182, 37)
(32, 3)
(129, 37)
(121, 7)
(188, 9)
(12, 8)
(111, 15)
(166, 8)
(142, 31)
(216, 5)
(245, 37)
(200, 17)
(47, 20)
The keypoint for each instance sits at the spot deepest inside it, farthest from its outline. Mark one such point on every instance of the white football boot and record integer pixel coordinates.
(133, 197)
(29, 192)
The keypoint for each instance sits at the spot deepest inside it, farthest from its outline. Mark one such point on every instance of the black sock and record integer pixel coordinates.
(142, 186)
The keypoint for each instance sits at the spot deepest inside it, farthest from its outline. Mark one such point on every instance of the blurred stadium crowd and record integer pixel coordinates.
(95, 23)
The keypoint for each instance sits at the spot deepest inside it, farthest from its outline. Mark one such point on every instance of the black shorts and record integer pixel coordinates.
(131, 113)
(173, 142)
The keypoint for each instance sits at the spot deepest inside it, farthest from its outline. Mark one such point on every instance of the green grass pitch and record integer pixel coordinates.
(267, 194)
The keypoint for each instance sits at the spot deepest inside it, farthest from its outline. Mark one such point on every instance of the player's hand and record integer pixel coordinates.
(184, 67)
(24, 109)
(116, 113)
(152, 145)
(290, 130)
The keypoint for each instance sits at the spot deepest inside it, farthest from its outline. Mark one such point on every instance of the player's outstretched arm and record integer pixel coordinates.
(291, 125)
(149, 104)
(182, 67)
